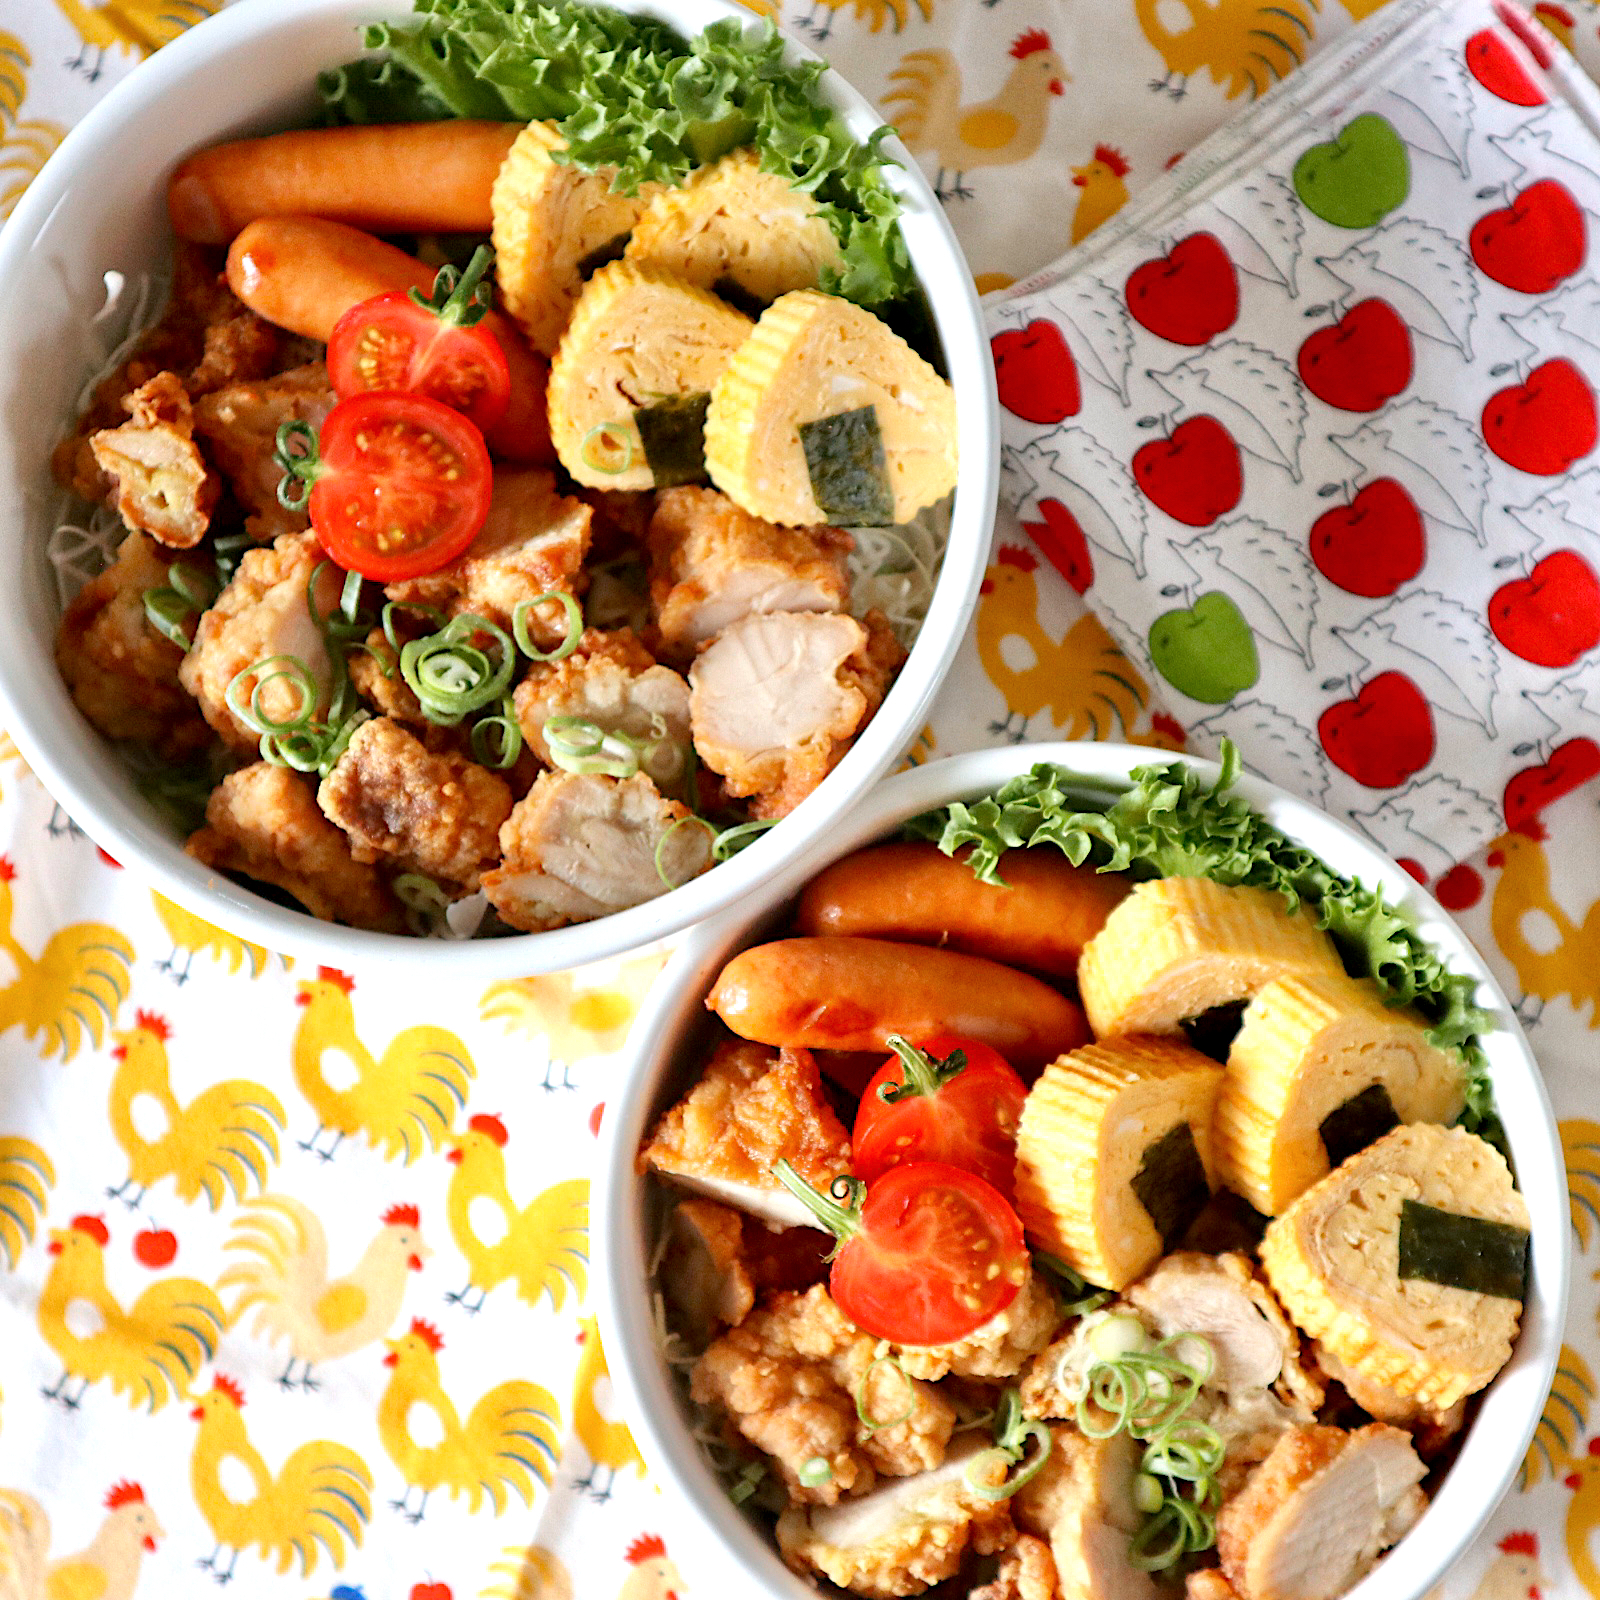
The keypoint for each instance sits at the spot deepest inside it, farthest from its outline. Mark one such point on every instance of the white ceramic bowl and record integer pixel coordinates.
(99, 205)
(667, 1047)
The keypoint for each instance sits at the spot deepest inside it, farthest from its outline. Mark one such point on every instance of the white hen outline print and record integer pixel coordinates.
(1241, 406)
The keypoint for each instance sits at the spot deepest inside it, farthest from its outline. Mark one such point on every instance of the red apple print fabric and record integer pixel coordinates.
(1313, 425)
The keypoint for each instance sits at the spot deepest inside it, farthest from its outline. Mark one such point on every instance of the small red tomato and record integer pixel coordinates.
(954, 1100)
(399, 485)
(438, 347)
(930, 1252)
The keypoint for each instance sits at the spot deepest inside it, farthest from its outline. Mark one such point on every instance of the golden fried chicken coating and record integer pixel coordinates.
(122, 674)
(712, 564)
(751, 1108)
(1000, 1348)
(1027, 1572)
(437, 814)
(263, 613)
(791, 1376)
(160, 483)
(263, 823)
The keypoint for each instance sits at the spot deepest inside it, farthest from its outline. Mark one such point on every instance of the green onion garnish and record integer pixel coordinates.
(451, 674)
(815, 1471)
(873, 1424)
(730, 841)
(288, 670)
(501, 726)
(579, 745)
(396, 643)
(603, 445)
(168, 608)
(1012, 1431)
(1076, 1294)
(569, 643)
(748, 1482)
(425, 902)
(667, 833)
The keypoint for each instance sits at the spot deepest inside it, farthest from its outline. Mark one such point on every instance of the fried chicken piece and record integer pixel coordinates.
(240, 423)
(1081, 1501)
(789, 1377)
(612, 681)
(712, 564)
(387, 692)
(751, 1108)
(775, 700)
(1027, 1572)
(262, 822)
(533, 542)
(437, 814)
(904, 1536)
(579, 847)
(122, 674)
(1000, 1348)
(1207, 1583)
(1316, 1514)
(206, 336)
(160, 483)
(262, 613)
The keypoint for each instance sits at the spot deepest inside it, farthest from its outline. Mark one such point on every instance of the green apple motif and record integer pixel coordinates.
(1207, 652)
(1357, 178)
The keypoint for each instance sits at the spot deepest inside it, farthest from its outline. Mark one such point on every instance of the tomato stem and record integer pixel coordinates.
(924, 1074)
(460, 299)
(840, 1214)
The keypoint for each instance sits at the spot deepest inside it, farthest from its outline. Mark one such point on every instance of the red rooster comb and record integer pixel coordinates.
(1030, 43)
(492, 1126)
(646, 1548)
(225, 1385)
(153, 1022)
(124, 1494)
(402, 1217)
(1521, 1544)
(8, 869)
(95, 1227)
(428, 1334)
(340, 980)
(1109, 156)
(1013, 555)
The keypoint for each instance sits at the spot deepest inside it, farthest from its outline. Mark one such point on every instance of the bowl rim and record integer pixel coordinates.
(1512, 1405)
(119, 821)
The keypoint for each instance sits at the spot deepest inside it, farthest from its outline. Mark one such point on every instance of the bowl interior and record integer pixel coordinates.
(99, 206)
(667, 1049)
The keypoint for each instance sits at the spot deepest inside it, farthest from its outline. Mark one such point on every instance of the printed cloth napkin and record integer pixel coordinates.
(1312, 424)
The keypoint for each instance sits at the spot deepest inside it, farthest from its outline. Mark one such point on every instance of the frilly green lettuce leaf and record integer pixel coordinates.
(1171, 823)
(628, 93)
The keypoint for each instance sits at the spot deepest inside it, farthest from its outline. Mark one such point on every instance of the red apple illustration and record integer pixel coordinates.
(1035, 372)
(1459, 888)
(1537, 39)
(155, 1247)
(1570, 766)
(1362, 361)
(1544, 425)
(1414, 867)
(1383, 735)
(1552, 616)
(1374, 544)
(1535, 242)
(1195, 474)
(430, 1591)
(1061, 538)
(1189, 295)
(1494, 64)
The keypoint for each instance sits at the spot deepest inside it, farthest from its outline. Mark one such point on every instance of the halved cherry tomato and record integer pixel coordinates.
(930, 1252)
(437, 346)
(397, 485)
(954, 1099)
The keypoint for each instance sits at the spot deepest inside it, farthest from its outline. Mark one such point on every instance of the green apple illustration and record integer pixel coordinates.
(1357, 178)
(1208, 651)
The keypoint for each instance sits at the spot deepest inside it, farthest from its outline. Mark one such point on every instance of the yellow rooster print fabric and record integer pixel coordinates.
(295, 1281)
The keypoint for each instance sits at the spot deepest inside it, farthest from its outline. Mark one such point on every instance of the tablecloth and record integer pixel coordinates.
(461, 1250)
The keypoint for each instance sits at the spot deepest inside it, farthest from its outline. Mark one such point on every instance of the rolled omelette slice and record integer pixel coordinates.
(554, 224)
(745, 234)
(1319, 1068)
(630, 381)
(1114, 1154)
(1176, 947)
(1408, 1262)
(827, 415)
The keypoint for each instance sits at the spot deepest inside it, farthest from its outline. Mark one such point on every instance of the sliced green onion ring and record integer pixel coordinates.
(1012, 1431)
(432, 613)
(292, 671)
(452, 675)
(425, 902)
(730, 841)
(667, 833)
(612, 436)
(873, 1424)
(569, 643)
(578, 745)
(748, 1482)
(815, 1471)
(501, 724)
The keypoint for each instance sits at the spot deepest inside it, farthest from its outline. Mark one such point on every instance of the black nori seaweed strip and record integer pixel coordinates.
(1463, 1252)
(604, 254)
(673, 432)
(849, 474)
(1211, 1033)
(739, 297)
(1171, 1183)
(1361, 1120)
